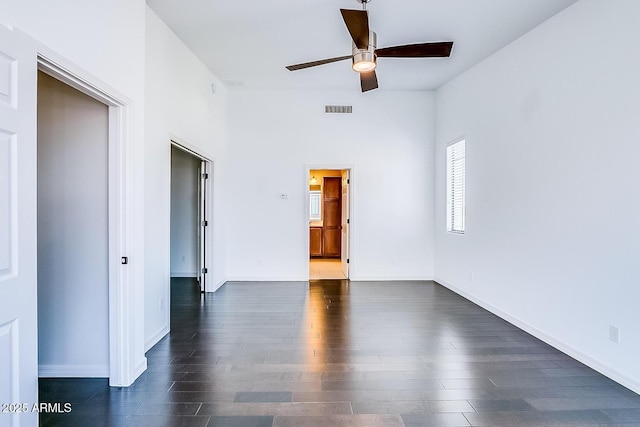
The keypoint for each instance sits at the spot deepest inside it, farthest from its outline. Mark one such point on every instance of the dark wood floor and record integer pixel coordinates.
(334, 353)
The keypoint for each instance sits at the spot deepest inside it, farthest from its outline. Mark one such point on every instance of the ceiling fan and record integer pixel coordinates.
(365, 51)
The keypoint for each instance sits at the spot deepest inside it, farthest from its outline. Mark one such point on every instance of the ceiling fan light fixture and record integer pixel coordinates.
(365, 60)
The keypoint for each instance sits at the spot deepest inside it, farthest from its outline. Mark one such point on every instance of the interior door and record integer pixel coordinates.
(332, 216)
(18, 245)
(204, 223)
(344, 255)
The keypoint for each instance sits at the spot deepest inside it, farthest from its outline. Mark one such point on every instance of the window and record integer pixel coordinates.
(455, 188)
(315, 212)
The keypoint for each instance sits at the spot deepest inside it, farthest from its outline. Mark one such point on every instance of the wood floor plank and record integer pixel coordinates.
(338, 353)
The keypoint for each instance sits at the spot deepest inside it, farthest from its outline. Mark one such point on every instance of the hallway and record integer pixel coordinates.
(334, 353)
(321, 269)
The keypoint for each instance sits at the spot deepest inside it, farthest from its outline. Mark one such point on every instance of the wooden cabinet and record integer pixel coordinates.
(326, 240)
(331, 242)
(332, 216)
(315, 241)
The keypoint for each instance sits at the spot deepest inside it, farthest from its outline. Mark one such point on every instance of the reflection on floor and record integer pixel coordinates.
(334, 353)
(325, 269)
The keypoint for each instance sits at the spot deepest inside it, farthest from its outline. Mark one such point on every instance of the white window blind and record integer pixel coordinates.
(315, 209)
(456, 187)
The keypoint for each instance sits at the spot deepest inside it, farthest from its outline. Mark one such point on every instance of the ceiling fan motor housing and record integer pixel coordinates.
(364, 60)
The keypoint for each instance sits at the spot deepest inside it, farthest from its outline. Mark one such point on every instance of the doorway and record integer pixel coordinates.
(190, 216)
(72, 231)
(21, 58)
(328, 214)
(125, 362)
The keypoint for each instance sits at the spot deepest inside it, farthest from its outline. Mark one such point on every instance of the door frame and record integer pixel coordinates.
(350, 198)
(205, 210)
(346, 212)
(124, 365)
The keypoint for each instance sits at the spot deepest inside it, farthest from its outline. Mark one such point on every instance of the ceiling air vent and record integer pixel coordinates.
(338, 109)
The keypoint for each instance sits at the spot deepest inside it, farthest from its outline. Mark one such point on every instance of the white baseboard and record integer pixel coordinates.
(155, 338)
(183, 274)
(216, 286)
(606, 370)
(361, 278)
(141, 366)
(138, 369)
(354, 278)
(73, 371)
(267, 279)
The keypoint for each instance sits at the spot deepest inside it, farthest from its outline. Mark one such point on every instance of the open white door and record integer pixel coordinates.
(346, 222)
(204, 223)
(18, 244)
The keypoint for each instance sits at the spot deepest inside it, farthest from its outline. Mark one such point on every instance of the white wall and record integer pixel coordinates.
(73, 270)
(553, 138)
(180, 104)
(388, 141)
(184, 214)
(105, 39)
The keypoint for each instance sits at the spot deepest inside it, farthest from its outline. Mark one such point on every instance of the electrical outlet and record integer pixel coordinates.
(614, 334)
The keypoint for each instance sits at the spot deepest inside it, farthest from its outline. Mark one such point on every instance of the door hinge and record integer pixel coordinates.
(348, 181)
(347, 260)
(124, 260)
(204, 271)
(205, 176)
(348, 221)
(205, 223)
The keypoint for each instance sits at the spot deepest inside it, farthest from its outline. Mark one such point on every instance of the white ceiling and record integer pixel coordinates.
(249, 43)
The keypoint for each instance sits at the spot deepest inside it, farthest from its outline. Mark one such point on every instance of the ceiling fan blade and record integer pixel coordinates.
(368, 81)
(419, 50)
(357, 22)
(315, 63)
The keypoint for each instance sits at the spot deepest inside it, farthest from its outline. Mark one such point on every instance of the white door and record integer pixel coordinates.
(18, 306)
(344, 254)
(204, 224)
